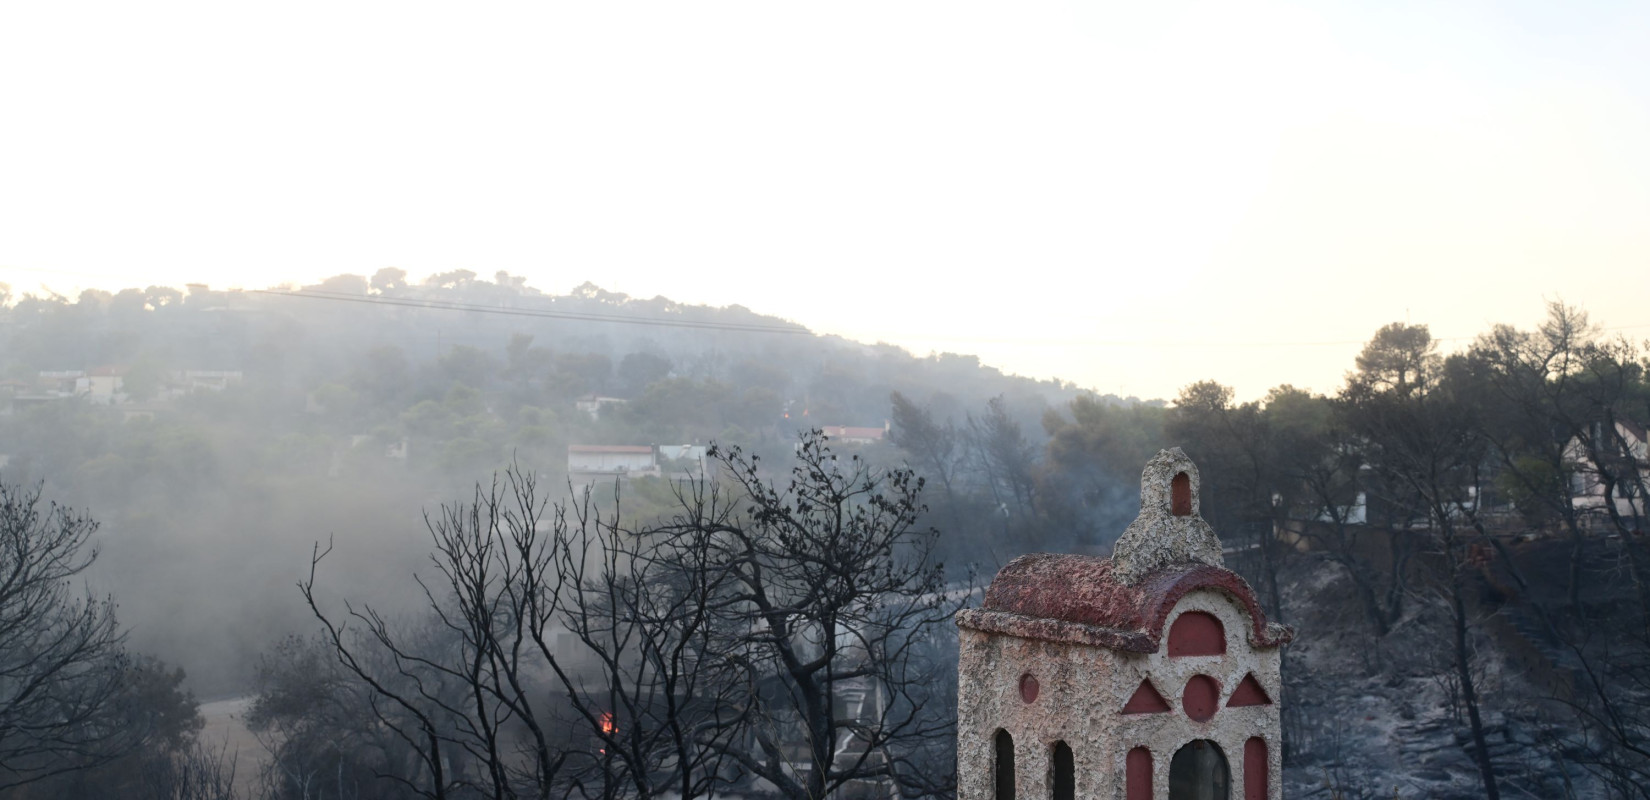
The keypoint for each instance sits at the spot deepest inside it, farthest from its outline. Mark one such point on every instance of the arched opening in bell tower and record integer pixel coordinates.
(1180, 495)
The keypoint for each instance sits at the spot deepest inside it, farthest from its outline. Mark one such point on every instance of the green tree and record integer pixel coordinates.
(1007, 460)
(354, 285)
(1321, 473)
(467, 366)
(382, 376)
(582, 373)
(1419, 436)
(1234, 445)
(456, 279)
(389, 280)
(931, 443)
(637, 371)
(158, 297)
(144, 379)
(1093, 464)
(1401, 358)
(165, 759)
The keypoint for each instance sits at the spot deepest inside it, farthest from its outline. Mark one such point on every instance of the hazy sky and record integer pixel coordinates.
(1131, 195)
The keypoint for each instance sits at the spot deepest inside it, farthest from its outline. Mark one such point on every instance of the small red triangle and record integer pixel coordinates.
(1146, 700)
(1249, 693)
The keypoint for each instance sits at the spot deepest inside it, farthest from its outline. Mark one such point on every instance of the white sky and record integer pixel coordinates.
(1132, 195)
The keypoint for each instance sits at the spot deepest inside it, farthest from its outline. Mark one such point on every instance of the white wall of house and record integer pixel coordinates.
(611, 459)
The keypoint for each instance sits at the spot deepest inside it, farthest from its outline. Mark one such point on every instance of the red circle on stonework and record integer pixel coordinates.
(1201, 698)
(1029, 688)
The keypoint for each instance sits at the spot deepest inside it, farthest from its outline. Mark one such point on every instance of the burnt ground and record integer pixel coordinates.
(1369, 717)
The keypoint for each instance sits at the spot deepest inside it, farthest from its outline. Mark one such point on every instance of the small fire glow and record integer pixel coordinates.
(607, 722)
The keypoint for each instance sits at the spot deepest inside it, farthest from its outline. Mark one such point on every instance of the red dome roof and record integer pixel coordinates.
(1078, 599)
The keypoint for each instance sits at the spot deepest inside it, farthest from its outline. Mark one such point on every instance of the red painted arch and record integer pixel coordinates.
(1255, 768)
(1197, 633)
(1138, 774)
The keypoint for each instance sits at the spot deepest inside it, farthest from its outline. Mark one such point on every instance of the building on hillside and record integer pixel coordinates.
(683, 460)
(215, 380)
(103, 385)
(1152, 674)
(1628, 466)
(23, 401)
(588, 463)
(846, 434)
(593, 404)
(59, 381)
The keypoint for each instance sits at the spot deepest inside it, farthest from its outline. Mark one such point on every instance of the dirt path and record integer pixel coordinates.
(226, 731)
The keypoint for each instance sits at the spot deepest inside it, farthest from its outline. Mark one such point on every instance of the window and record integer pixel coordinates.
(1065, 773)
(1180, 495)
(1005, 766)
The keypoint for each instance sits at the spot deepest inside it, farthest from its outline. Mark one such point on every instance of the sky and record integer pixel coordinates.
(1131, 196)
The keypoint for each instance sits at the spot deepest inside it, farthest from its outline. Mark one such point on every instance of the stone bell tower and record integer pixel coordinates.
(1150, 675)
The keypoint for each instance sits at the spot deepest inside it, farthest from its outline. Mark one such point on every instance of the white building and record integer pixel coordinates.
(593, 405)
(1628, 464)
(587, 463)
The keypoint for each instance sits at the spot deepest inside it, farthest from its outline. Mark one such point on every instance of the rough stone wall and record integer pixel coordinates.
(1157, 538)
(1077, 702)
(1082, 690)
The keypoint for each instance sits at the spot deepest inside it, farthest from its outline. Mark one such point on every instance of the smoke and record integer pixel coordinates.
(343, 415)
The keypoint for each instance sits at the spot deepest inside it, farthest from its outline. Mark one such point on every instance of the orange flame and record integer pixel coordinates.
(607, 723)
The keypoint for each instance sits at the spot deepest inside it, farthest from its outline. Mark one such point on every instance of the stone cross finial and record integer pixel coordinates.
(1168, 530)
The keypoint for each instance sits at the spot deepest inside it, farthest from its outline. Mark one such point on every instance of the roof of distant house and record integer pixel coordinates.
(609, 448)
